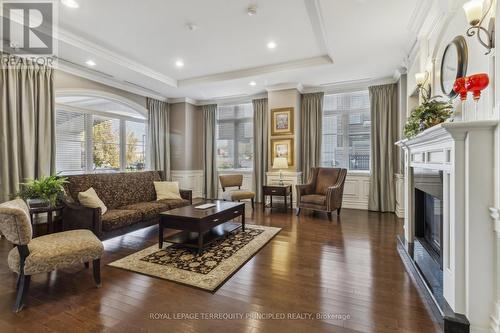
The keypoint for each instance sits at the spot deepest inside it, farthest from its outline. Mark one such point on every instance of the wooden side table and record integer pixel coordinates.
(277, 190)
(50, 218)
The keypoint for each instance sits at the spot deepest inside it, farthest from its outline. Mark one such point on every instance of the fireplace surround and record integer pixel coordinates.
(448, 238)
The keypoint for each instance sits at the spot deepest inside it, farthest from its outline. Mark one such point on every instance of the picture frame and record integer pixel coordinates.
(283, 148)
(282, 121)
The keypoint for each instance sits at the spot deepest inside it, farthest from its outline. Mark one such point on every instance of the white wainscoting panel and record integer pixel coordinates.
(189, 180)
(399, 180)
(356, 190)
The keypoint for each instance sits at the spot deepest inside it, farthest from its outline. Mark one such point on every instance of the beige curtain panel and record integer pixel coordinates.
(384, 133)
(159, 136)
(27, 125)
(311, 116)
(260, 136)
(210, 168)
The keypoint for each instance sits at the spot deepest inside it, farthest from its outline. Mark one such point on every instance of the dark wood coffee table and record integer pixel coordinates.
(201, 226)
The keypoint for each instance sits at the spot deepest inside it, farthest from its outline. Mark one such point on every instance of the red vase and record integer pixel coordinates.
(459, 87)
(476, 83)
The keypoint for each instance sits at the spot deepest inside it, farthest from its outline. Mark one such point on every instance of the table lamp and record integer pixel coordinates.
(280, 163)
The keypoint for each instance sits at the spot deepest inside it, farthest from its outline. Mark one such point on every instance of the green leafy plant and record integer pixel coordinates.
(431, 112)
(48, 188)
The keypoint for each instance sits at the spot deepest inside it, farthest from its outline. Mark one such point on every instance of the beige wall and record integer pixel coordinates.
(186, 137)
(283, 99)
(63, 80)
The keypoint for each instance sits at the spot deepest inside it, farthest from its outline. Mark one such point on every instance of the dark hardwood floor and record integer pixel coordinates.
(346, 266)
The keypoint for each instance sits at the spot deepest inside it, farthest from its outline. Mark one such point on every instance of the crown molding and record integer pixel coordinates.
(286, 86)
(83, 44)
(108, 80)
(234, 99)
(239, 74)
(183, 100)
(350, 85)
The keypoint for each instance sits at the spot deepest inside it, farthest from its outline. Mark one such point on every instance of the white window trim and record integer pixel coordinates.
(348, 90)
(232, 104)
(89, 138)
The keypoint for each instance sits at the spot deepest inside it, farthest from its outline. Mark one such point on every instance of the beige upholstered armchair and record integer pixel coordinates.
(46, 253)
(323, 192)
(235, 195)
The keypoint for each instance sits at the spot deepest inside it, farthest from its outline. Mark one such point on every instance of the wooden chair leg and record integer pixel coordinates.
(253, 204)
(22, 291)
(329, 215)
(96, 265)
(297, 212)
(338, 211)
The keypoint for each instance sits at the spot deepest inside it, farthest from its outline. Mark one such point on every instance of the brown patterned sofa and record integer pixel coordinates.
(129, 196)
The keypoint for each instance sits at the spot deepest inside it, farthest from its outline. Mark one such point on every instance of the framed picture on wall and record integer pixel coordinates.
(283, 148)
(282, 121)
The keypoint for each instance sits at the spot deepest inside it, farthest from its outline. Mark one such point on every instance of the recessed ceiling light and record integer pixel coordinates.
(191, 26)
(252, 83)
(90, 63)
(271, 45)
(179, 63)
(70, 3)
(252, 10)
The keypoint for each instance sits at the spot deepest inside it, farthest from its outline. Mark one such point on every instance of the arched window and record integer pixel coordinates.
(99, 132)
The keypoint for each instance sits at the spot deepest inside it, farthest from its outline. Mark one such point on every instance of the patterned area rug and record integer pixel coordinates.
(209, 269)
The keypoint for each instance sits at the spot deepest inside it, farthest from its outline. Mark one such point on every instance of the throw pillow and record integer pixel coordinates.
(167, 190)
(90, 199)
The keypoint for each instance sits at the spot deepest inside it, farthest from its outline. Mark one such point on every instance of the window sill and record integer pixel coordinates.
(235, 170)
(358, 172)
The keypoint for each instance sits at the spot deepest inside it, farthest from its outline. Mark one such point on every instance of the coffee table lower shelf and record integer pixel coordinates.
(190, 239)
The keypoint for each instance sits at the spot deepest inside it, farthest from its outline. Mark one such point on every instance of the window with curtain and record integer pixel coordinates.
(87, 142)
(346, 131)
(235, 137)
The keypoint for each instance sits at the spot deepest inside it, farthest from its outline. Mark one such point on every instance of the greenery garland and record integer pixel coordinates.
(430, 113)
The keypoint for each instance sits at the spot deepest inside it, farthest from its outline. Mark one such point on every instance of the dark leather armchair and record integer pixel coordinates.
(323, 192)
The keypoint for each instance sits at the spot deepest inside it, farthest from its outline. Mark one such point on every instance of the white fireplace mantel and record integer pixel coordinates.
(464, 152)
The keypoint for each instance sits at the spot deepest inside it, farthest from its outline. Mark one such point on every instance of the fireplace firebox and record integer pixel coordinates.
(428, 216)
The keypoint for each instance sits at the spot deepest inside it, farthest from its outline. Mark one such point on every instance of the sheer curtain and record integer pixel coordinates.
(384, 132)
(159, 136)
(27, 125)
(210, 167)
(311, 125)
(260, 134)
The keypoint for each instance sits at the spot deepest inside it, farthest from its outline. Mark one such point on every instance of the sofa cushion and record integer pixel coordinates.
(315, 199)
(174, 203)
(117, 218)
(59, 250)
(147, 209)
(326, 177)
(116, 189)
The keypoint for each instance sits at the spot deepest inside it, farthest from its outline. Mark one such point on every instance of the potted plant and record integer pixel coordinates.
(47, 189)
(431, 112)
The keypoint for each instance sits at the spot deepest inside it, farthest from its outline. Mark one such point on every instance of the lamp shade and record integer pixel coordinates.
(280, 163)
(420, 78)
(474, 11)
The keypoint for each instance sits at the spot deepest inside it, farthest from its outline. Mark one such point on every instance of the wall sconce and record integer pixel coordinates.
(474, 13)
(420, 79)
